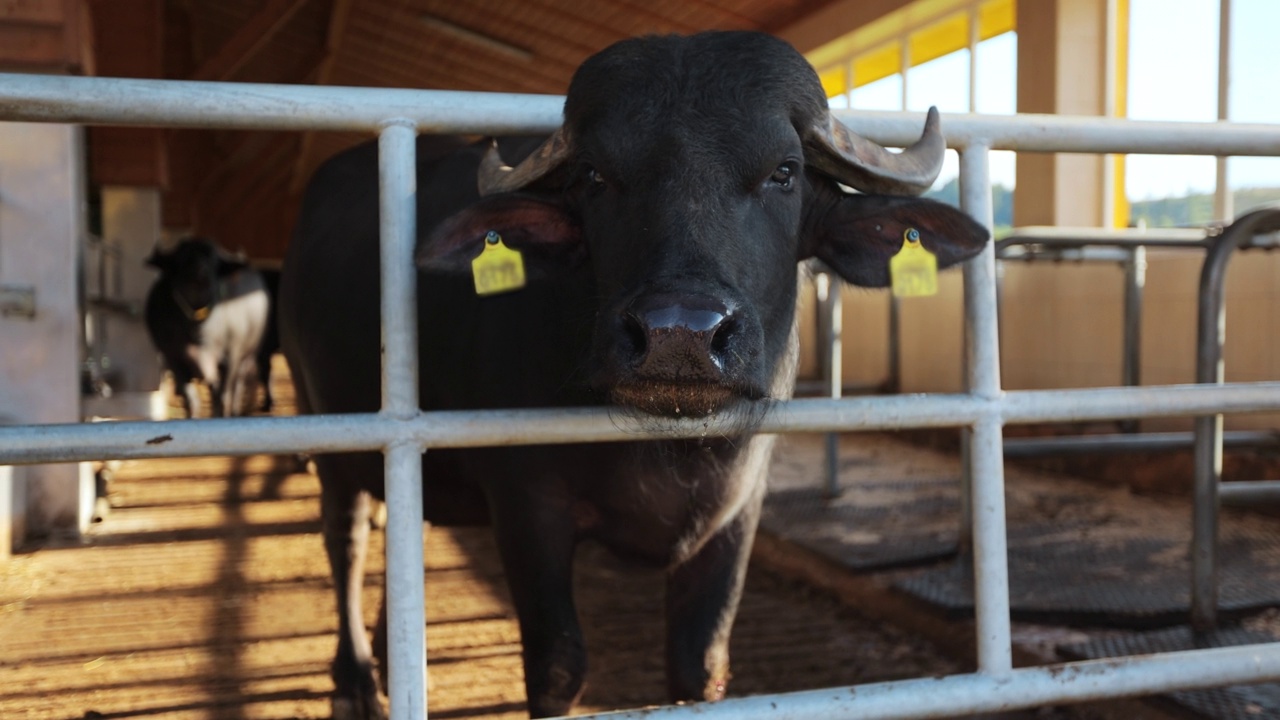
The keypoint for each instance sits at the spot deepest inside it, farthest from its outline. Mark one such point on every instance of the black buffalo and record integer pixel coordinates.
(206, 314)
(661, 228)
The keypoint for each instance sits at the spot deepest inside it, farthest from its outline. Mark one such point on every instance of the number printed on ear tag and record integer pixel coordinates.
(914, 270)
(498, 268)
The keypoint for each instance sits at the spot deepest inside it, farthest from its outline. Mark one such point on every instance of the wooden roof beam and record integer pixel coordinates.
(248, 40)
(324, 74)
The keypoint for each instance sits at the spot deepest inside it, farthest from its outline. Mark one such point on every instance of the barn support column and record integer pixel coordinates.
(41, 225)
(116, 272)
(1062, 56)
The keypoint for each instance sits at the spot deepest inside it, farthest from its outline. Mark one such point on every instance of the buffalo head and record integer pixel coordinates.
(194, 270)
(692, 174)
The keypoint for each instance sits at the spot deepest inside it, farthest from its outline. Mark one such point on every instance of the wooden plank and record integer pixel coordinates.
(135, 157)
(37, 12)
(31, 45)
(78, 40)
(135, 53)
(338, 16)
(248, 40)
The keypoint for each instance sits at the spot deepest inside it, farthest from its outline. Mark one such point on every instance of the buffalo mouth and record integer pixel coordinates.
(673, 399)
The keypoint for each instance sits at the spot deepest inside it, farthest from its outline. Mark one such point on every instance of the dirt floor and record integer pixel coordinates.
(205, 594)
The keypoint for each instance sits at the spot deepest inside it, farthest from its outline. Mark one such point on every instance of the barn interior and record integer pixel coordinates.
(82, 207)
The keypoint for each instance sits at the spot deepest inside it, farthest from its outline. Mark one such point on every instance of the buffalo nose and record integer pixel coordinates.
(679, 337)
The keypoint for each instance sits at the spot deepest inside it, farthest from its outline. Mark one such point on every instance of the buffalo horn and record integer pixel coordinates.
(495, 176)
(859, 163)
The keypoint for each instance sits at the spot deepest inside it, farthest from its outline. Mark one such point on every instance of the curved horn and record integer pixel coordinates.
(857, 162)
(495, 176)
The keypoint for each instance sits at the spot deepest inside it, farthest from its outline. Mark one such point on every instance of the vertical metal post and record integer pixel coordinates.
(1211, 334)
(398, 208)
(1223, 202)
(986, 453)
(893, 378)
(831, 307)
(1135, 279)
(406, 631)
(905, 58)
(1110, 71)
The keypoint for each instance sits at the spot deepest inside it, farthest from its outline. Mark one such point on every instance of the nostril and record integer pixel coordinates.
(723, 335)
(635, 333)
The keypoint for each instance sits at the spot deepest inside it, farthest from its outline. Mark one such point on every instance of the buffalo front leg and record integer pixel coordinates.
(345, 516)
(536, 544)
(702, 600)
(184, 383)
(242, 373)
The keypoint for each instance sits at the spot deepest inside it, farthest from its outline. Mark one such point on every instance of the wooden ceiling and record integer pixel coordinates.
(243, 187)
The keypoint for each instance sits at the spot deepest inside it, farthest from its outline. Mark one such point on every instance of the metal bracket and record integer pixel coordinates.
(19, 300)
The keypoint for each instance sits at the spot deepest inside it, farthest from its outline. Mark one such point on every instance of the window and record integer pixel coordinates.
(960, 56)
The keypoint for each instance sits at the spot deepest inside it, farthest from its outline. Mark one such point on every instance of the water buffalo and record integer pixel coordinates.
(206, 314)
(661, 227)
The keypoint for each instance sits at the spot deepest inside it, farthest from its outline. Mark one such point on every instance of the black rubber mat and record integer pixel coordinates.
(871, 525)
(1244, 701)
(1080, 579)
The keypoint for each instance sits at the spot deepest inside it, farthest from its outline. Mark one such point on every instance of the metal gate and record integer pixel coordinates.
(402, 432)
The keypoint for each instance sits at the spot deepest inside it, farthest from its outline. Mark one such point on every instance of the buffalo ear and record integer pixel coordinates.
(543, 231)
(859, 233)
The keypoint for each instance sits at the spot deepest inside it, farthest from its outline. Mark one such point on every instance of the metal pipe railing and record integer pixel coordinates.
(1126, 246)
(982, 693)
(226, 105)
(985, 456)
(1130, 442)
(831, 331)
(1210, 336)
(401, 431)
(136, 440)
(406, 636)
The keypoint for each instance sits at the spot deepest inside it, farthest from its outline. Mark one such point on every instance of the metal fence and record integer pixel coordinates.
(401, 431)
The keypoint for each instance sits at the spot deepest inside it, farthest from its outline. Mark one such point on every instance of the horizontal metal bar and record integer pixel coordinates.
(74, 442)
(1255, 492)
(444, 429)
(1065, 133)
(963, 695)
(178, 103)
(1038, 406)
(1116, 237)
(1067, 254)
(1128, 442)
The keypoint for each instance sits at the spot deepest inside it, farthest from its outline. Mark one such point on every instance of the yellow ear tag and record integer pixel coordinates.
(200, 314)
(498, 268)
(914, 270)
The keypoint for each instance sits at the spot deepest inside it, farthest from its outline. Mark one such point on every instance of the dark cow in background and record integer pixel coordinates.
(206, 313)
(270, 344)
(661, 227)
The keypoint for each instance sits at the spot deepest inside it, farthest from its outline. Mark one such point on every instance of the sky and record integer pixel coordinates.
(1173, 75)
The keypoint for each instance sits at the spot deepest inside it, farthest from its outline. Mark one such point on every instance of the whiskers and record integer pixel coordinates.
(731, 421)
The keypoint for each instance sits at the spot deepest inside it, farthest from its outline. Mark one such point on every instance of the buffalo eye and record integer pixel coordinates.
(785, 176)
(594, 178)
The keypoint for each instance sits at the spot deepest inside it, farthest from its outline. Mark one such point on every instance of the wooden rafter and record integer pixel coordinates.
(333, 38)
(248, 40)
